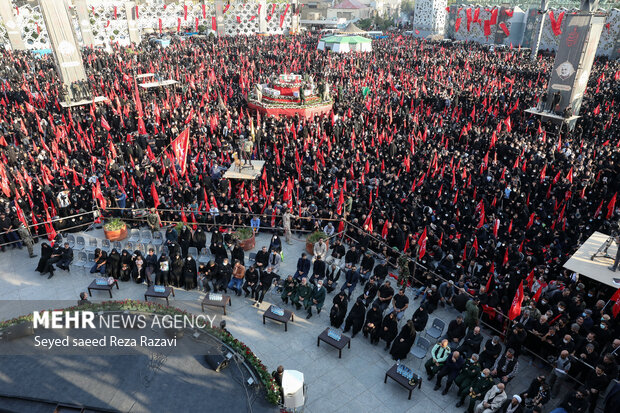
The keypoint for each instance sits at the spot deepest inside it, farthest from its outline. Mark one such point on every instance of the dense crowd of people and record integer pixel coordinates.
(428, 155)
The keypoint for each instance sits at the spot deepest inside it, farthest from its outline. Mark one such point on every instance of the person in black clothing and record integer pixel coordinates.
(338, 252)
(456, 330)
(318, 269)
(251, 281)
(237, 254)
(339, 309)
(355, 319)
(471, 342)
(368, 263)
(151, 266)
(190, 273)
(331, 278)
(176, 270)
(380, 271)
(389, 329)
(303, 267)
(370, 291)
(574, 403)
(66, 257)
(113, 264)
(351, 258)
(163, 270)
(420, 318)
(516, 338)
(264, 283)
(262, 258)
(372, 324)
(451, 368)
(491, 351)
(596, 382)
(55, 257)
(386, 293)
(403, 342)
(223, 276)
(46, 253)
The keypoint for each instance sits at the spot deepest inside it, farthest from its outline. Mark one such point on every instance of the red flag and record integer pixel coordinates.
(491, 273)
(505, 261)
(616, 295)
(556, 25)
(104, 124)
(213, 23)
(515, 308)
(530, 280)
(422, 243)
(495, 228)
(611, 206)
(154, 195)
(538, 294)
(180, 147)
(384, 231)
(474, 246)
(531, 221)
(504, 28)
(597, 109)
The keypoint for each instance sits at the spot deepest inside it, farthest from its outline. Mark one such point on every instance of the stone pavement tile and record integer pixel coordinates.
(420, 403)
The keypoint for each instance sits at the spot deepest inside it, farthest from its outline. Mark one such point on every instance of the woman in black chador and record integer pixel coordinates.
(190, 273)
(403, 342)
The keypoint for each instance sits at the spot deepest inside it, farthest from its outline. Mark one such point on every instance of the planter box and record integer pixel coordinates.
(248, 244)
(310, 247)
(117, 235)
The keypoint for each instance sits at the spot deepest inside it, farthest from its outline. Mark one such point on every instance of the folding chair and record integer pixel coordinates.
(70, 240)
(134, 235)
(146, 236)
(436, 329)
(93, 244)
(130, 246)
(117, 245)
(421, 348)
(80, 243)
(253, 257)
(105, 245)
(158, 239)
(193, 251)
(81, 261)
(204, 258)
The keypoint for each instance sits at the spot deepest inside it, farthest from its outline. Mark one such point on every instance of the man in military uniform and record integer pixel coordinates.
(290, 286)
(439, 354)
(469, 373)
(24, 234)
(302, 295)
(478, 388)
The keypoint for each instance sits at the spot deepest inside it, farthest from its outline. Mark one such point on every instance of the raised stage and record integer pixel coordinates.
(552, 116)
(245, 173)
(596, 269)
(307, 111)
(83, 102)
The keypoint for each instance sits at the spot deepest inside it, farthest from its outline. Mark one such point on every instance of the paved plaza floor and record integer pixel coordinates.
(353, 383)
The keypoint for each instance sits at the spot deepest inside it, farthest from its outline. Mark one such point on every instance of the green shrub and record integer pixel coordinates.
(115, 224)
(316, 236)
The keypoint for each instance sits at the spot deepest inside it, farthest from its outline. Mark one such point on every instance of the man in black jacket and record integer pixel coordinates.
(303, 267)
(338, 252)
(573, 403)
(450, 368)
(456, 330)
(331, 278)
(471, 343)
(596, 382)
(66, 257)
(262, 258)
(492, 349)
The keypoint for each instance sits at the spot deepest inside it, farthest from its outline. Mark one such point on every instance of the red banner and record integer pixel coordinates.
(180, 147)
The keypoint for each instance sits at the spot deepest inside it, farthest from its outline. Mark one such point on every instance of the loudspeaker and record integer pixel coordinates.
(216, 361)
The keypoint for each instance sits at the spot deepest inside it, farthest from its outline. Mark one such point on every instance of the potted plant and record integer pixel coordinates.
(314, 238)
(115, 229)
(246, 238)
